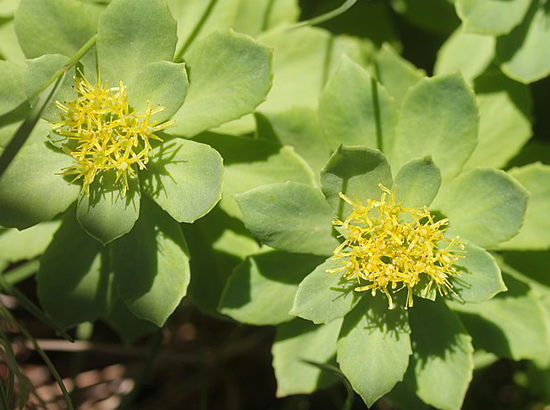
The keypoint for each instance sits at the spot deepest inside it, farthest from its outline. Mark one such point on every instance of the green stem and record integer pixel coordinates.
(327, 16)
(195, 32)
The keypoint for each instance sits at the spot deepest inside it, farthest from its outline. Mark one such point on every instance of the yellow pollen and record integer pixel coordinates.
(104, 133)
(387, 248)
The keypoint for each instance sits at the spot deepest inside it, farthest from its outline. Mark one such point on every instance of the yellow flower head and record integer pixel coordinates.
(388, 248)
(104, 133)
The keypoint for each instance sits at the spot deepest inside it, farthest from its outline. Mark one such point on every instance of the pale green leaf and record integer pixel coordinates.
(296, 342)
(12, 93)
(535, 232)
(357, 173)
(18, 245)
(230, 75)
(151, 265)
(520, 52)
(289, 216)
(505, 120)
(74, 279)
(42, 193)
(374, 347)
(355, 110)
(160, 83)
(132, 34)
(439, 118)
(466, 53)
(10, 49)
(255, 16)
(491, 17)
(417, 183)
(485, 206)
(184, 178)
(105, 214)
(325, 296)
(8, 7)
(442, 361)
(261, 289)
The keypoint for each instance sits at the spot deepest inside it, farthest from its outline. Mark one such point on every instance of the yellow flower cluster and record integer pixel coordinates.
(387, 246)
(104, 133)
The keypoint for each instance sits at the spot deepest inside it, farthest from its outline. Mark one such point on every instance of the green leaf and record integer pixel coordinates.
(355, 110)
(519, 52)
(505, 120)
(132, 34)
(51, 27)
(438, 118)
(252, 163)
(480, 278)
(8, 7)
(324, 296)
(42, 193)
(437, 16)
(289, 216)
(395, 73)
(261, 289)
(466, 53)
(105, 215)
(160, 83)
(38, 72)
(255, 16)
(442, 362)
(491, 17)
(417, 183)
(296, 342)
(184, 178)
(151, 265)
(12, 94)
(512, 324)
(18, 245)
(535, 232)
(10, 49)
(230, 75)
(374, 347)
(298, 127)
(357, 173)
(74, 279)
(126, 324)
(485, 206)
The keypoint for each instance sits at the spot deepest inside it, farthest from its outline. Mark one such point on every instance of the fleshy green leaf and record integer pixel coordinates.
(374, 347)
(519, 52)
(12, 93)
(355, 172)
(535, 232)
(480, 278)
(74, 279)
(105, 214)
(491, 17)
(252, 163)
(161, 83)
(324, 296)
(18, 245)
(355, 110)
(261, 289)
(230, 75)
(151, 265)
(10, 49)
(296, 342)
(55, 27)
(417, 183)
(126, 324)
(442, 362)
(485, 206)
(38, 72)
(255, 16)
(184, 178)
(438, 118)
(505, 123)
(467, 53)
(396, 73)
(512, 324)
(132, 34)
(42, 193)
(8, 7)
(437, 16)
(289, 216)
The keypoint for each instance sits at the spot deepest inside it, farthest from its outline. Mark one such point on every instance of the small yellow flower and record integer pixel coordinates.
(103, 132)
(387, 246)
